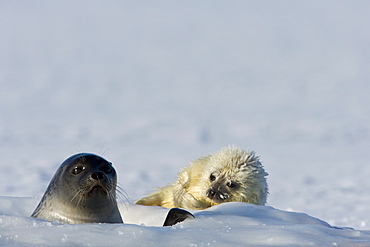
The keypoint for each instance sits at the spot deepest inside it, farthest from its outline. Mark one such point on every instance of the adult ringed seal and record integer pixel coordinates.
(83, 190)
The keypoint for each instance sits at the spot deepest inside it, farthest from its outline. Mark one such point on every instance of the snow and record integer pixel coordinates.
(235, 224)
(152, 86)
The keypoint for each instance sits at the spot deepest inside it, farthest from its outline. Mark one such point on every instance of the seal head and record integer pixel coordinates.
(83, 190)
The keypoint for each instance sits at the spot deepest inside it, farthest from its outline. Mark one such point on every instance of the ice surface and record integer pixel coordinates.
(233, 224)
(153, 86)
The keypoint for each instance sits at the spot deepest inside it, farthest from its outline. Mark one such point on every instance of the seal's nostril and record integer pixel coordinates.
(97, 175)
(211, 193)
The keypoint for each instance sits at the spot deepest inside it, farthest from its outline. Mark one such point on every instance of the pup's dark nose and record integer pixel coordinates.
(97, 175)
(211, 193)
(216, 195)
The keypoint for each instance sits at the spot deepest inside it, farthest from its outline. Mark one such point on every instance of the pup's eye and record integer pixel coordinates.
(77, 170)
(212, 177)
(231, 185)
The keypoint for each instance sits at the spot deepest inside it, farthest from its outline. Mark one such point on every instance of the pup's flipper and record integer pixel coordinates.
(176, 215)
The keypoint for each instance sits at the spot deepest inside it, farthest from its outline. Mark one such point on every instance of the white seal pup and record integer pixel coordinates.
(230, 175)
(83, 190)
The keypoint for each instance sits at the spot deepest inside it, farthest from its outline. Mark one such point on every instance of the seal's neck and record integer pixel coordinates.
(91, 210)
(94, 210)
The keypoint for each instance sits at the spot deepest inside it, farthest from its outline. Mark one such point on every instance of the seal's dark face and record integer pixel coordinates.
(83, 190)
(222, 188)
(89, 175)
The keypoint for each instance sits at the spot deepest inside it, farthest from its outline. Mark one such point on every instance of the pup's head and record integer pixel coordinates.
(235, 175)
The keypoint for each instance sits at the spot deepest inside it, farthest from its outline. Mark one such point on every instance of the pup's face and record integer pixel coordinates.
(222, 187)
(231, 175)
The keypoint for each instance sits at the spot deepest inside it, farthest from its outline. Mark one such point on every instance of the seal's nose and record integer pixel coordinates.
(97, 175)
(211, 193)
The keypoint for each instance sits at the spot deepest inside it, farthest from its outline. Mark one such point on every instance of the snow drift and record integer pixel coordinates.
(228, 224)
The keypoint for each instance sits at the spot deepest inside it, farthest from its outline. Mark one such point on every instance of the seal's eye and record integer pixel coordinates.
(77, 170)
(212, 177)
(231, 185)
(106, 168)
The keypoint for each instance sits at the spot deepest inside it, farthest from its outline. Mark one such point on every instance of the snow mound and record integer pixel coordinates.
(229, 224)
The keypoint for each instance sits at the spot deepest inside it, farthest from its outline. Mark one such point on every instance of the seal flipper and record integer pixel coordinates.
(176, 215)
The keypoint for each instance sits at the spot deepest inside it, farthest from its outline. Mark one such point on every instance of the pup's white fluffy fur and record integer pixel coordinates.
(230, 175)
